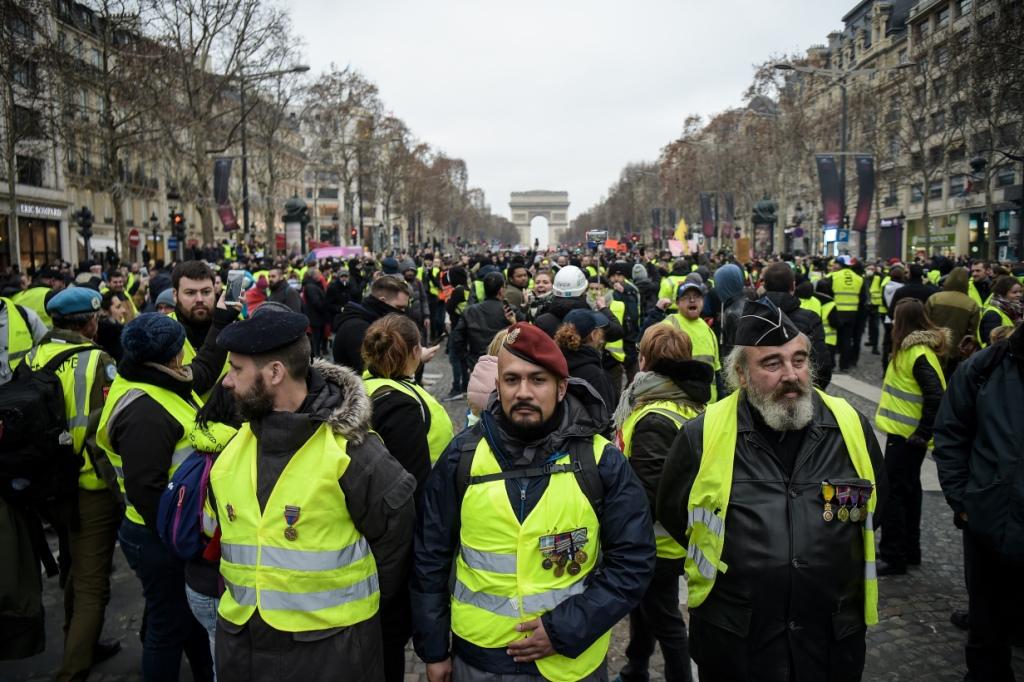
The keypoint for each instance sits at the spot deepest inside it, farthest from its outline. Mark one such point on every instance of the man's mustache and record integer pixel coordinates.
(524, 406)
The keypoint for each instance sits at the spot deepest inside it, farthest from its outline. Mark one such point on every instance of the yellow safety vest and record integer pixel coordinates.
(180, 411)
(77, 375)
(679, 414)
(882, 308)
(846, 286)
(705, 345)
(440, 431)
(1004, 321)
(667, 289)
(19, 336)
(972, 291)
(934, 276)
(432, 284)
(900, 407)
(831, 335)
(301, 561)
(617, 349)
(876, 291)
(812, 304)
(709, 498)
(500, 579)
(35, 298)
(189, 354)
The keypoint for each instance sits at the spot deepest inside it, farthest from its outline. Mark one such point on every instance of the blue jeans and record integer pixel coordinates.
(168, 627)
(204, 608)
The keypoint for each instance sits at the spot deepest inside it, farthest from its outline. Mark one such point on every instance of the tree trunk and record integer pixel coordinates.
(10, 148)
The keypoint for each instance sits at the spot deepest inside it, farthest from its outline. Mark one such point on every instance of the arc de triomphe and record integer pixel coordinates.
(554, 206)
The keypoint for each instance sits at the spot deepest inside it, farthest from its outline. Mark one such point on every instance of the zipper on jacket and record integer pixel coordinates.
(523, 485)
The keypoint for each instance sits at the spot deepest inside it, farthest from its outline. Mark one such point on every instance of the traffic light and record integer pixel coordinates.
(85, 218)
(178, 224)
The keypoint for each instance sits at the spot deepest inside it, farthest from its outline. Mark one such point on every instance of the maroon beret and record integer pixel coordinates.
(530, 343)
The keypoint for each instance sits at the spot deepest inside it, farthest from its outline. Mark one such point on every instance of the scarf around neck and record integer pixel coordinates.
(647, 387)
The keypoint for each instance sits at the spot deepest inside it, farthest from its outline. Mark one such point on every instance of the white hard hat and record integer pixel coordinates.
(570, 281)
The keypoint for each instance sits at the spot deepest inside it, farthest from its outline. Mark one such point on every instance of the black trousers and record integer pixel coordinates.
(901, 527)
(872, 322)
(658, 620)
(846, 339)
(995, 597)
(886, 345)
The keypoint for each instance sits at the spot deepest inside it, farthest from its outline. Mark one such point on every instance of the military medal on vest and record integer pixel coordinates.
(828, 491)
(563, 552)
(844, 502)
(291, 516)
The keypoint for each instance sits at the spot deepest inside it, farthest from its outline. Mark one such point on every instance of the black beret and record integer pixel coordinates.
(264, 331)
(764, 324)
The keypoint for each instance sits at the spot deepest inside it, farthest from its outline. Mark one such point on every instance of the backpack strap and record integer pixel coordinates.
(589, 478)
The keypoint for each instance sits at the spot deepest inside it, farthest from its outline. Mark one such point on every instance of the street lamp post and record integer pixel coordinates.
(154, 224)
(242, 78)
(839, 77)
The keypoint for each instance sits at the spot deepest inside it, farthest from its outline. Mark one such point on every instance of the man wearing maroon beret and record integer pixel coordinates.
(544, 523)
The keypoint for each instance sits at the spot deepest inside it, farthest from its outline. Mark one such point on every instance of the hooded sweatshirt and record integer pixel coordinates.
(729, 302)
(953, 309)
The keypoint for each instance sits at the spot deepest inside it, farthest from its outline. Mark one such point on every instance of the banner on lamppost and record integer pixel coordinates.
(221, 180)
(865, 190)
(707, 215)
(828, 178)
(728, 221)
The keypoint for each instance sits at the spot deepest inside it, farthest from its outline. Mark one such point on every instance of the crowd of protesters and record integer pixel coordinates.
(595, 385)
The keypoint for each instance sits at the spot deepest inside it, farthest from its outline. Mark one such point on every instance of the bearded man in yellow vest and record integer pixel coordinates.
(84, 375)
(315, 516)
(144, 430)
(193, 284)
(774, 492)
(545, 524)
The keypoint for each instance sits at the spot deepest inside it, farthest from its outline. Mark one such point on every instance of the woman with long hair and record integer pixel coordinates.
(1003, 308)
(670, 389)
(911, 393)
(415, 429)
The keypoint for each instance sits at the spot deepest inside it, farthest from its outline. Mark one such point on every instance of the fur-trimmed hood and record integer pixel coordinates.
(342, 402)
(938, 339)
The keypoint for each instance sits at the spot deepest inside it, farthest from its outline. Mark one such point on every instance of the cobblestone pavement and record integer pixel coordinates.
(914, 640)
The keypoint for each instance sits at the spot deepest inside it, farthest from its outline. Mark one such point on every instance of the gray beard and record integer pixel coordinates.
(783, 414)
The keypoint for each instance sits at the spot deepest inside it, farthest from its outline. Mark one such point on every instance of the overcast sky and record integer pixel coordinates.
(556, 94)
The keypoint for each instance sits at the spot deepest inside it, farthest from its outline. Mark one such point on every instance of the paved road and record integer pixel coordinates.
(914, 640)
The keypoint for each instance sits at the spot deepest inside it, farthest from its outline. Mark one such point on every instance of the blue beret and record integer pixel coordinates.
(152, 337)
(73, 301)
(266, 329)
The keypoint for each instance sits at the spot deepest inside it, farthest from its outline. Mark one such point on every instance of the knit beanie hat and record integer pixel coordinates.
(152, 337)
(639, 273)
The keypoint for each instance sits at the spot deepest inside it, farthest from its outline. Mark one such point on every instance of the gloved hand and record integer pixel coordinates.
(916, 441)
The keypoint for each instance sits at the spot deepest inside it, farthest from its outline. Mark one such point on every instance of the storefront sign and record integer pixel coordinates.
(40, 211)
(890, 222)
(940, 239)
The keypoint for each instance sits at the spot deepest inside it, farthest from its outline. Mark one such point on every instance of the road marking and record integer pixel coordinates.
(858, 387)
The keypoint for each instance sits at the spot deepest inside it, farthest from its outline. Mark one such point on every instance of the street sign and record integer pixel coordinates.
(172, 243)
(842, 235)
(133, 238)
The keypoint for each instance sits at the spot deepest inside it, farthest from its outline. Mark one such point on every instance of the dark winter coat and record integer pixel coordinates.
(627, 555)
(379, 496)
(585, 364)
(912, 289)
(476, 328)
(281, 292)
(791, 606)
(352, 324)
(314, 300)
(809, 323)
(978, 444)
(339, 293)
(550, 318)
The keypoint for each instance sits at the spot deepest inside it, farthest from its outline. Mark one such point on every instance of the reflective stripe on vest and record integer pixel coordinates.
(123, 392)
(441, 430)
(617, 349)
(300, 561)
(679, 414)
(19, 336)
(708, 503)
(77, 375)
(846, 286)
(901, 405)
(499, 578)
(831, 335)
(704, 342)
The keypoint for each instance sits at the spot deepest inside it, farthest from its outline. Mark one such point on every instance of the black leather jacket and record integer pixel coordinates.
(791, 605)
